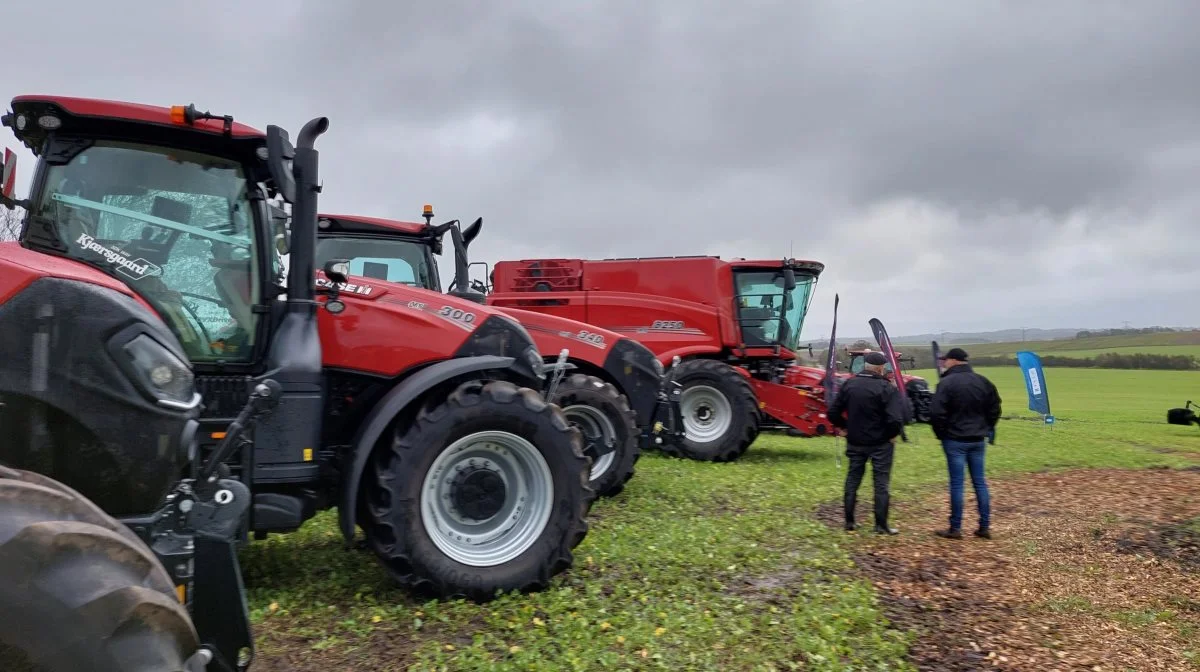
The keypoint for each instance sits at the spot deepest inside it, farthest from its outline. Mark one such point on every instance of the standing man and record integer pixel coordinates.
(873, 417)
(964, 413)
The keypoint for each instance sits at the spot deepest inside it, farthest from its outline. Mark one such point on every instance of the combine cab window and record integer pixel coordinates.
(768, 314)
(396, 261)
(175, 226)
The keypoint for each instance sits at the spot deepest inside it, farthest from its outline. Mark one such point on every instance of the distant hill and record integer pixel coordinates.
(1029, 337)
(1173, 343)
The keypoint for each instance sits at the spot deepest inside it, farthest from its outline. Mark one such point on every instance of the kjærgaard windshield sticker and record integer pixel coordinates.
(134, 269)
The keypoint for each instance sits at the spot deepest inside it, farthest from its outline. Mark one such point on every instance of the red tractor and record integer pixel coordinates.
(735, 325)
(919, 394)
(616, 396)
(146, 306)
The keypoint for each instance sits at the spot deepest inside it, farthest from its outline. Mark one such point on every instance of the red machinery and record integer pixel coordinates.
(735, 324)
(417, 415)
(919, 394)
(615, 395)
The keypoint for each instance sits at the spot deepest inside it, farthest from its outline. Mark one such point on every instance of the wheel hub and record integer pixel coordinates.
(478, 493)
(707, 413)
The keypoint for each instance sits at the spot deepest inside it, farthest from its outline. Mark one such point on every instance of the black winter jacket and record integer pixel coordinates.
(869, 408)
(966, 406)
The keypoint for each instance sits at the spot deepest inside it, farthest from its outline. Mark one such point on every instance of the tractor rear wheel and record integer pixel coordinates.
(719, 410)
(79, 591)
(603, 416)
(486, 492)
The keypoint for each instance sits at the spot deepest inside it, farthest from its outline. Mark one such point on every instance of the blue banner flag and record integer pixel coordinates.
(1035, 382)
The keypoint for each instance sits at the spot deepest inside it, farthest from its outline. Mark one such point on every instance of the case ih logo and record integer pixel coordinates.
(135, 269)
(362, 290)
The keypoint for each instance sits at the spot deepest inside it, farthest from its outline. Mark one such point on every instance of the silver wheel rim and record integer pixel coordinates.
(497, 538)
(591, 422)
(706, 412)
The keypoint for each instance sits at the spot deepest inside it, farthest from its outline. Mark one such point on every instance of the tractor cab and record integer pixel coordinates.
(169, 211)
(858, 360)
(772, 300)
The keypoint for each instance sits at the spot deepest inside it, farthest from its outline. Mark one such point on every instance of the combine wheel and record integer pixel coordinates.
(484, 493)
(603, 416)
(719, 410)
(79, 591)
(920, 398)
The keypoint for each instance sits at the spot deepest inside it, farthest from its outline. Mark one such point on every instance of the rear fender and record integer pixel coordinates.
(686, 352)
(396, 400)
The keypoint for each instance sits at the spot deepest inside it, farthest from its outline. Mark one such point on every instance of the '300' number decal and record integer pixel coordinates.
(457, 314)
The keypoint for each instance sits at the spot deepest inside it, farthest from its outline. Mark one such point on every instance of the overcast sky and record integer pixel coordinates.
(956, 165)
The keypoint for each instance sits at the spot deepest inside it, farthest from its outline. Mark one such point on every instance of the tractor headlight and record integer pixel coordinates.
(159, 372)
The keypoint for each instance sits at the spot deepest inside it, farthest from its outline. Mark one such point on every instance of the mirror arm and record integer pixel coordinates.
(14, 203)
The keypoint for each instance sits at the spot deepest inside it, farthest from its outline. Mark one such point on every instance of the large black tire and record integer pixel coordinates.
(79, 591)
(404, 512)
(920, 399)
(601, 413)
(737, 413)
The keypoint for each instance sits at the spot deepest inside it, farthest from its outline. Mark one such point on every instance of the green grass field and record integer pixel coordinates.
(1176, 343)
(695, 566)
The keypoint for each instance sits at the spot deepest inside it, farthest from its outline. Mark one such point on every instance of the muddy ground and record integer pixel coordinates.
(1087, 570)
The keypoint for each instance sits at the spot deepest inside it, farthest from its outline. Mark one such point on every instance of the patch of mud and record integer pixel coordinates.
(1089, 570)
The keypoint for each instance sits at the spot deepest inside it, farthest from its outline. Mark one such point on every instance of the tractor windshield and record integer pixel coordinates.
(860, 362)
(176, 226)
(391, 260)
(769, 314)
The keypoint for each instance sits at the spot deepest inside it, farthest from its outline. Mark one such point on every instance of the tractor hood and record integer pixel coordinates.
(388, 328)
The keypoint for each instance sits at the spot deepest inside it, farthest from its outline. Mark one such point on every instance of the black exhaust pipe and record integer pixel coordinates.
(462, 274)
(305, 171)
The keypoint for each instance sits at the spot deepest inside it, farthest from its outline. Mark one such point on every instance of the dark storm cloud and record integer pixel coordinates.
(996, 161)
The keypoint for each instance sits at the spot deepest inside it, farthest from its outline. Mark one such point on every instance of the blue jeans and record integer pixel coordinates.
(961, 454)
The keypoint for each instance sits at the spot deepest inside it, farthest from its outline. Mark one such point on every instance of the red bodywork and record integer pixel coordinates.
(551, 333)
(364, 338)
(675, 306)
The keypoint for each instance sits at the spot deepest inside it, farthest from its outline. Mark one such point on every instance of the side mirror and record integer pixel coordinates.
(280, 153)
(789, 279)
(337, 270)
(472, 231)
(8, 175)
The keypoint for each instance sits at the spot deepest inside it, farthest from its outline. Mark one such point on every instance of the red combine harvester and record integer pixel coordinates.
(919, 394)
(146, 304)
(616, 396)
(735, 325)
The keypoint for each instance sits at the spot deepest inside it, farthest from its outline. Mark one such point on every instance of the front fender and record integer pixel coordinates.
(392, 403)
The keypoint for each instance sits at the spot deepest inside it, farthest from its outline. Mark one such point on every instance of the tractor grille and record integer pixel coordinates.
(224, 396)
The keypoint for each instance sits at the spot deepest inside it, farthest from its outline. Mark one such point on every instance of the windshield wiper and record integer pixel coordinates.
(149, 219)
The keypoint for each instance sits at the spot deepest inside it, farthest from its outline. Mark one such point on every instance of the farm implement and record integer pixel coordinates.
(1185, 415)
(168, 389)
(734, 325)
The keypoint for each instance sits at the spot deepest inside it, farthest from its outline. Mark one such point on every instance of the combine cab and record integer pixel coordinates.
(919, 394)
(615, 393)
(148, 300)
(734, 324)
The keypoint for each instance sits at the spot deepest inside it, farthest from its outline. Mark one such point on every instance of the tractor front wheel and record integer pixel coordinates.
(719, 411)
(484, 493)
(603, 416)
(79, 591)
